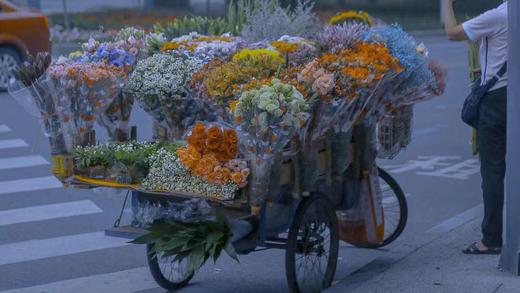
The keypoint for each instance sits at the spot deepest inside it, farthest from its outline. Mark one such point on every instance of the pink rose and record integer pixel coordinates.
(324, 84)
(307, 74)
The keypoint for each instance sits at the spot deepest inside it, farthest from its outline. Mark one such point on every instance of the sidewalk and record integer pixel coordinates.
(438, 267)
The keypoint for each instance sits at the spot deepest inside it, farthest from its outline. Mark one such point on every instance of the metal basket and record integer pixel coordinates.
(395, 132)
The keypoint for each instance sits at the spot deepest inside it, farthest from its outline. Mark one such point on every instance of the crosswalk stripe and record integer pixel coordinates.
(48, 212)
(21, 162)
(119, 282)
(29, 184)
(4, 128)
(12, 143)
(45, 248)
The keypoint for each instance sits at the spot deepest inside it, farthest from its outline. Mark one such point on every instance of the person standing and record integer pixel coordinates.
(490, 29)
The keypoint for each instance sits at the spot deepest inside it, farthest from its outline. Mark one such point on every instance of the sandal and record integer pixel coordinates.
(474, 249)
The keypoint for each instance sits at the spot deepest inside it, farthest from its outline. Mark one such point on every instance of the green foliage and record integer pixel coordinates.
(197, 242)
(268, 20)
(200, 24)
(135, 155)
(91, 156)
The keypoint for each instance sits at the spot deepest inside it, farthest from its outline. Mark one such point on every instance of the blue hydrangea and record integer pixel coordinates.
(404, 47)
(113, 56)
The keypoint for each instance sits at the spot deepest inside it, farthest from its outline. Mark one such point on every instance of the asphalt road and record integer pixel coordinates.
(51, 239)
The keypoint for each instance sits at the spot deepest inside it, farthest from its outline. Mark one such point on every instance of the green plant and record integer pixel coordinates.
(196, 241)
(91, 156)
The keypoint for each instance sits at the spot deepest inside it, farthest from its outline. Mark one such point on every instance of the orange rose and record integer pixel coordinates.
(232, 151)
(215, 132)
(236, 177)
(213, 144)
(230, 136)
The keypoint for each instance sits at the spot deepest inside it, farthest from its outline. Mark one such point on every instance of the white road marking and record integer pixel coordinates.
(29, 184)
(458, 220)
(12, 143)
(21, 162)
(4, 128)
(45, 248)
(119, 282)
(47, 212)
(462, 171)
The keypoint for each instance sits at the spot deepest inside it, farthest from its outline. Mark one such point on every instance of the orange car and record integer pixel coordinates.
(22, 31)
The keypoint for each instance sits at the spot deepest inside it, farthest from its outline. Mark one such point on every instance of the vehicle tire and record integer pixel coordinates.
(168, 274)
(313, 242)
(9, 60)
(395, 210)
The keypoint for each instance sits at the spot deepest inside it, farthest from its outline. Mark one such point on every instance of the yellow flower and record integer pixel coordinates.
(351, 15)
(258, 55)
(233, 105)
(285, 47)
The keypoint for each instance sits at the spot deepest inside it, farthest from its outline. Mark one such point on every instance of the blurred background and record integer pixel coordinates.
(114, 14)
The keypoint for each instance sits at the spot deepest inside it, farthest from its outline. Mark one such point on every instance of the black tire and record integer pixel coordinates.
(9, 60)
(394, 199)
(168, 281)
(307, 240)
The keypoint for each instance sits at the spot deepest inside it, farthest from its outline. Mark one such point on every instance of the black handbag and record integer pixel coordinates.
(471, 107)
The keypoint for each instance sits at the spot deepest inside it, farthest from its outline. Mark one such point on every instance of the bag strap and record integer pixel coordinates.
(502, 70)
(491, 83)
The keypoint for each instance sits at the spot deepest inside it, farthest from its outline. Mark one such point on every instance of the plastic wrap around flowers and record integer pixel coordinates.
(268, 118)
(159, 85)
(84, 92)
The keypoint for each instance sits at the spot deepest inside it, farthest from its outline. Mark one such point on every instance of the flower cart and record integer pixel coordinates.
(261, 139)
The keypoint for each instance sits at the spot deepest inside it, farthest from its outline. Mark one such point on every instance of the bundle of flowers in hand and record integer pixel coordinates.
(84, 92)
(268, 118)
(159, 83)
(32, 91)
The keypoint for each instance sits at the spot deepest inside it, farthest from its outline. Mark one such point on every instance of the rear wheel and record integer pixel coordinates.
(169, 274)
(312, 247)
(9, 61)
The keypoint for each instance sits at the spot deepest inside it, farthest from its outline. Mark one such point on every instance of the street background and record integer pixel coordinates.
(52, 239)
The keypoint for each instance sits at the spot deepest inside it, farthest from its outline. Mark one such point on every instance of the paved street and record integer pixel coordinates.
(51, 239)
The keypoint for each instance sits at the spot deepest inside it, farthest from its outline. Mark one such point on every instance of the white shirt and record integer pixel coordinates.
(492, 25)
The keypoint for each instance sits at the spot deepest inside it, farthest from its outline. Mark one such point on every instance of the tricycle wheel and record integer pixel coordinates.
(168, 274)
(312, 246)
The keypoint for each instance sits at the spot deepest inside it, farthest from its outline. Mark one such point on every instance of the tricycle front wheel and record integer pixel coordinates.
(312, 246)
(169, 274)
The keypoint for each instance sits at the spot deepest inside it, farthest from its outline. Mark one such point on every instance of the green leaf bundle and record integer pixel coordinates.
(197, 242)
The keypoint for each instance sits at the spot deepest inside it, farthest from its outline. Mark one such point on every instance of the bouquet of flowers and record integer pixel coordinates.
(159, 84)
(32, 91)
(267, 119)
(211, 154)
(421, 79)
(84, 92)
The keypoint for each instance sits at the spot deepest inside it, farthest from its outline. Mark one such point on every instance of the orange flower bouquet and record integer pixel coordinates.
(211, 154)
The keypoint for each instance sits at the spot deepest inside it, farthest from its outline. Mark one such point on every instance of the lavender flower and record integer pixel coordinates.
(337, 37)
